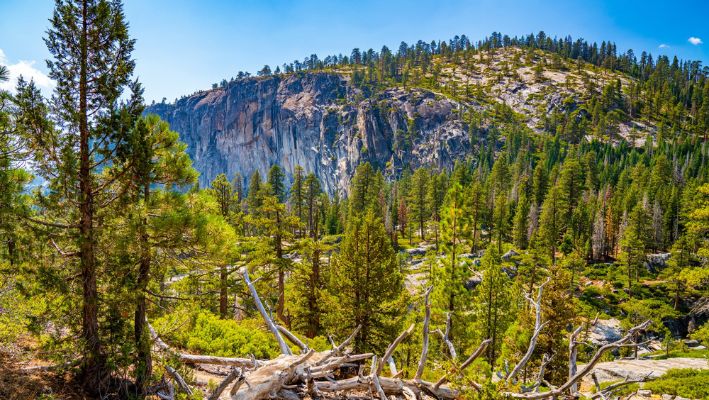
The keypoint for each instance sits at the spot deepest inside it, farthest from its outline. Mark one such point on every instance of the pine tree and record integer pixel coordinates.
(520, 228)
(450, 293)
(308, 282)
(13, 179)
(312, 203)
(366, 287)
(91, 75)
(275, 179)
(224, 193)
(272, 221)
(477, 198)
(254, 199)
(367, 185)
(632, 245)
(156, 157)
(493, 301)
(435, 197)
(297, 194)
(549, 221)
(417, 199)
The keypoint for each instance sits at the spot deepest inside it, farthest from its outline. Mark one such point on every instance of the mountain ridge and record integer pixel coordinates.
(425, 113)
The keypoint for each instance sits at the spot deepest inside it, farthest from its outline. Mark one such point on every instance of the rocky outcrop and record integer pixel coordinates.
(318, 121)
(637, 369)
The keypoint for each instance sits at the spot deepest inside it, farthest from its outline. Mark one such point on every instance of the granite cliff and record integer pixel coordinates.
(318, 121)
(325, 123)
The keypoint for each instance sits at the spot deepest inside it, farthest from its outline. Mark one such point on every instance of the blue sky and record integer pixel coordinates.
(186, 45)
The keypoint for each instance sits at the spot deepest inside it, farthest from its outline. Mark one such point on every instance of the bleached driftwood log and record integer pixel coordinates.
(269, 322)
(291, 376)
(271, 377)
(424, 347)
(538, 326)
(188, 358)
(557, 392)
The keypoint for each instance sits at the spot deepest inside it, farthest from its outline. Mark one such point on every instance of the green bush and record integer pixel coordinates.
(690, 383)
(701, 334)
(203, 332)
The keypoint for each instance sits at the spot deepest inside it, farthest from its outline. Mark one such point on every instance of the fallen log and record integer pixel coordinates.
(188, 358)
(270, 378)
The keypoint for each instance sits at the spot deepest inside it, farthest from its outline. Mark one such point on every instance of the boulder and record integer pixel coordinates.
(416, 251)
(510, 271)
(509, 255)
(605, 331)
(656, 262)
(474, 281)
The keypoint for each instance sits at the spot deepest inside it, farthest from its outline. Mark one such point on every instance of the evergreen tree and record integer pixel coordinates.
(308, 283)
(297, 194)
(275, 179)
(493, 299)
(450, 293)
(366, 287)
(417, 199)
(91, 75)
(632, 246)
(549, 221)
(254, 198)
(312, 204)
(156, 157)
(366, 188)
(520, 228)
(224, 193)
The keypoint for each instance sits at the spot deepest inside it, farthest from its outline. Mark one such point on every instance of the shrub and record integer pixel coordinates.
(690, 383)
(203, 332)
(702, 334)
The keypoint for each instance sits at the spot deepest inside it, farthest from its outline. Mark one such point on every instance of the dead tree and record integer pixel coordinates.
(313, 373)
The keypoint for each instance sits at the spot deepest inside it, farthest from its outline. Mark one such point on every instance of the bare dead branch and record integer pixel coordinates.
(180, 382)
(538, 326)
(376, 367)
(392, 347)
(234, 374)
(201, 359)
(424, 347)
(271, 325)
(293, 339)
(573, 355)
(476, 354)
(446, 337)
(608, 390)
(586, 368)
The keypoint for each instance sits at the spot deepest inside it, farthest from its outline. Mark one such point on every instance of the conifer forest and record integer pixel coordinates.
(520, 217)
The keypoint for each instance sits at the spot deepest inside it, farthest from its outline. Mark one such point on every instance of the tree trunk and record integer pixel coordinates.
(93, 368)
(223, 293)
(280, 306)
(142, 340)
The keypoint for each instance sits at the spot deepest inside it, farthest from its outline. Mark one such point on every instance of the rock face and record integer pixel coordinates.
(605, 331)
(636, 369)
(318, 121)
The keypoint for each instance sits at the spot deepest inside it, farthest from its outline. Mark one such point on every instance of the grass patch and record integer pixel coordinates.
(690, 383)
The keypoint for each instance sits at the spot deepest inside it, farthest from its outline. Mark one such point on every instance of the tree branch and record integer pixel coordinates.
(538, 326)
(271, 325)
(424, 347)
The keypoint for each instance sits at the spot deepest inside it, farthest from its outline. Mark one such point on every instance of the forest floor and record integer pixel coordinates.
(16, 383)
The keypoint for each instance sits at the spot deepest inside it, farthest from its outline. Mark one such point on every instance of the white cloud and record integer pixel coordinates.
(695, 40)
(664, 46)
(27, 70)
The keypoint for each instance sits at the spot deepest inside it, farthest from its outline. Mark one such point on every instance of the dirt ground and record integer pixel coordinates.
(16, 384)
